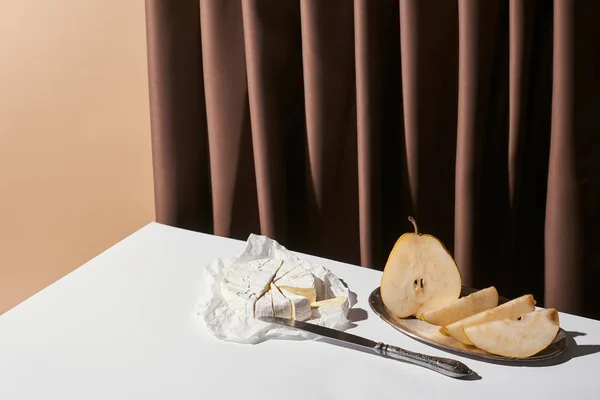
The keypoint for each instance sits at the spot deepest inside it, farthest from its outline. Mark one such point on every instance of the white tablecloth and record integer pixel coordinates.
(122, 326)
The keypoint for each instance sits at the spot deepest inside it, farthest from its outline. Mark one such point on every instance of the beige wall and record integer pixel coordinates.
(75, 163)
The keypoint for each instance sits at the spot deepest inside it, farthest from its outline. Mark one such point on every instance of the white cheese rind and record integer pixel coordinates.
(309, 293)
(245, 283)
(336, 305)
(254, 276)
(264, 306)
(285, 268)
(301, 310)
(282, 307)
(297, 277)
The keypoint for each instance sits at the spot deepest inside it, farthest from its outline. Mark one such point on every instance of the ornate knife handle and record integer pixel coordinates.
(446, 366)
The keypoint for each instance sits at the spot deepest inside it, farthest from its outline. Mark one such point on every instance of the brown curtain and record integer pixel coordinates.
(324, 124)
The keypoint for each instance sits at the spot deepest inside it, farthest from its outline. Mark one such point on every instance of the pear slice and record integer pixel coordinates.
(516, 338)
(419, 275)
(511, 309)
(462, 308)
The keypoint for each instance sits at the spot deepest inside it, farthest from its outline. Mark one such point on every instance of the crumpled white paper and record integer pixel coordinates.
(221, 320)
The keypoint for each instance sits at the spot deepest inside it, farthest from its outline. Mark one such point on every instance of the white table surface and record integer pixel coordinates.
(122, 326)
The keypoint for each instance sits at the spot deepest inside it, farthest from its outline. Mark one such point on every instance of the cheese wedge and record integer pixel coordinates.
(282, 307)
(264, 306)
(252, 277)
(298, 276)
(298, 280)
(309, 293)
(301, 310)
(286, 267)
(335, 305)
(510, 310)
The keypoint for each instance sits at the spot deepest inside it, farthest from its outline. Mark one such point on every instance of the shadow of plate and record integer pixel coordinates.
(572, 350)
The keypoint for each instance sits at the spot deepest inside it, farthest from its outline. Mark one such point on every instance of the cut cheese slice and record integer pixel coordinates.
(282, 307)
(264, 306)
(298, 280)
(301, 310)
(309, 293)
(335, 305)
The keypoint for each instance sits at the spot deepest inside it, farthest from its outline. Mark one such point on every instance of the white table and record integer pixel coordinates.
(122, 326)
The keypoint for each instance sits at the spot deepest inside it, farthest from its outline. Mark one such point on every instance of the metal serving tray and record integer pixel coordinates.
(431, 335)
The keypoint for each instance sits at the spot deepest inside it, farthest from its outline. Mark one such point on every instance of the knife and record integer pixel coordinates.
(445, 366)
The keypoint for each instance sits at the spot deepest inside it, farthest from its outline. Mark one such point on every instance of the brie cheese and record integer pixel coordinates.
(285, 268)
(298, 280)
(254, 276)
(282, 307)
(309, 293)
(264, 306)
(301, 310)
(336, 305)
(236, 289)
(245, 283)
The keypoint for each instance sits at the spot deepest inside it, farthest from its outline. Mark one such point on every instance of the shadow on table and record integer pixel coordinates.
(357, 314)
(474, 377)
(573, 350)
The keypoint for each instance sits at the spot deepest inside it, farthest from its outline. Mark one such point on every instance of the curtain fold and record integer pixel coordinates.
(429, 71)
(266, 56)
(178, 117)
(329, 90)
(324, 125)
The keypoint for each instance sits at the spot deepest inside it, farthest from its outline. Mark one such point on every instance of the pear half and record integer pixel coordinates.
(517, 338)
(419, 275)
(511, 309)
(462, 308)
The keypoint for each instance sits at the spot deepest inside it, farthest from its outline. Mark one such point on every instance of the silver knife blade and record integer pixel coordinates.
(322, 331)
(445, 366)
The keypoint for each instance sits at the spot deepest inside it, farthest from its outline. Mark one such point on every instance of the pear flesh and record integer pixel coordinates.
(420, 275)
(464, 307)
(516, 338)
(511, 310)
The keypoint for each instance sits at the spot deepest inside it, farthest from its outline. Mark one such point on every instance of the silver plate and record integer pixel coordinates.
(431, 335)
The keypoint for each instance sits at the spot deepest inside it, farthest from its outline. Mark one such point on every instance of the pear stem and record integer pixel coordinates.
(412, 220)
